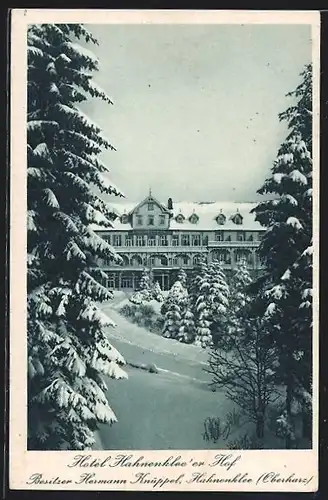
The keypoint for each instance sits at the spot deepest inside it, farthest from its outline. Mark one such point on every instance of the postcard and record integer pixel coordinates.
(164, 251)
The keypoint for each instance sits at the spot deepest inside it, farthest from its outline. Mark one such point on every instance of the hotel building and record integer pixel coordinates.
(169, 236)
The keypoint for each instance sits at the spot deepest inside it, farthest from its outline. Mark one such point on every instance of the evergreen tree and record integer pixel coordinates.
(199, 270)
(218, 300)
(288, 217)
(68, 350)
(144, 292)
(187, 330)
(202, 307)
(239, 298)
(157, 292)
(182, 277)
(174, 305)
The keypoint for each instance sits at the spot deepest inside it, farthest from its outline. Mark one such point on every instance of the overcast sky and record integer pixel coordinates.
(195, 112)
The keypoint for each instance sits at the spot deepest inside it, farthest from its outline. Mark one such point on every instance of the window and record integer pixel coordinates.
(117, 240)
(221, 219)
(195, 259)
(161, 220)
(163, 260)
(151, 242)
(140, 241)
(124, 219)
(152, 260)
(250, 238)
(139, 220)
(150, 207)
(175, 261)
(228, 238)
(163, 240)
(195, 239)
(241, 236)
(237, 219)
(240, 257)
(107, 238)
(110, 283)
(175, 240)
(126, 283)
(185, 260)
(193, 218)
(222, 257)
(185, 240)
(128, 241)
(179, 218)
(150, 220)
(219, 236)
(205, 240)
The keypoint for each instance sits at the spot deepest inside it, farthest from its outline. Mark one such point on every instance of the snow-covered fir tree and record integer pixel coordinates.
(182, 277)
(239, 298)
(144, 292)
(200, 269)
(288, 217)
(202, 307)
(157, 292)
(218, 300)
(187, 330)
(175, 305)
(68, 349)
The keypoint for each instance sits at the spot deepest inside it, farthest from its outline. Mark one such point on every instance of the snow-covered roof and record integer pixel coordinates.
(206, 211)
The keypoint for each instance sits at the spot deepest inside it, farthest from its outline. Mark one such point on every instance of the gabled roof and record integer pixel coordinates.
(150, 199)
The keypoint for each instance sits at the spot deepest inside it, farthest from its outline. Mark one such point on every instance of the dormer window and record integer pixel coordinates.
(124, 219)
(193, 218)
(221, 219)
(237, 219)
(180, 218)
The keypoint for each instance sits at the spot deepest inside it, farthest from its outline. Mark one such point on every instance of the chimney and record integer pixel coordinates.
(170, 204)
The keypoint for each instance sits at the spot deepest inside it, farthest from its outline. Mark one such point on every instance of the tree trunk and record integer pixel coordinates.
(288, 441)
(260, 427)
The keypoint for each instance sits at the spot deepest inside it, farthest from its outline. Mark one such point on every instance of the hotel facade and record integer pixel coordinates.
(165, 237)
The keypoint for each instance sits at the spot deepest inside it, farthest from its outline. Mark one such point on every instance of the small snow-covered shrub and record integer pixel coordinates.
(128, 310)
(143, 315)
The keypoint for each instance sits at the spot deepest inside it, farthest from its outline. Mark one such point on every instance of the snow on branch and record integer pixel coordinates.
(97, 91)
(95, 216)
(107, 186)
(50, 198)
(294, 222)
(82, 53)
(298, 177)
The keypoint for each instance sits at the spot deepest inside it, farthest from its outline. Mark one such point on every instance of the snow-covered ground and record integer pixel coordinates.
(131, 333)
(164, 410)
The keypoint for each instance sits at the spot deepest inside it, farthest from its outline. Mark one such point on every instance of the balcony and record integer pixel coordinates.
(155, 267)
(233, 244)
(161, 249)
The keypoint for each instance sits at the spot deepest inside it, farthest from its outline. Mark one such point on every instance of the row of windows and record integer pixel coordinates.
(181, 260)
(186, 240)
(141, 241)
(150, 220)
(241, 236)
